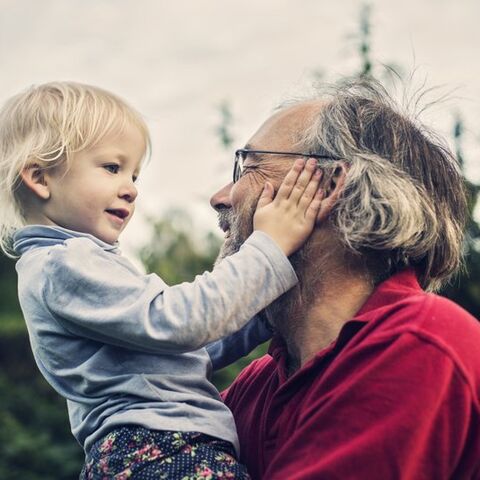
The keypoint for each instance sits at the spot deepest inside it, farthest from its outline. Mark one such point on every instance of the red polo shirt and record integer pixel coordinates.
(396, 396)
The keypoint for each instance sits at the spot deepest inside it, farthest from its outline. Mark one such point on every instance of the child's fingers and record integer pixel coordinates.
(266, 196)
(302, 181)
(310, 190)
(290, 180)
(314, 207)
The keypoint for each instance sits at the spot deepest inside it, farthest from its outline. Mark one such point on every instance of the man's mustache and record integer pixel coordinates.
(225, 218)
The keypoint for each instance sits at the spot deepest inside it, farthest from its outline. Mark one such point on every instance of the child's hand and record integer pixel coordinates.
(290, 217)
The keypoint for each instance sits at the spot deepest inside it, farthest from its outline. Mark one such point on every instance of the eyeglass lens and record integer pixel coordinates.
(238, 166)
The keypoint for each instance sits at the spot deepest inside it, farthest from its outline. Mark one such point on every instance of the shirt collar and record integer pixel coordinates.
(400, 285)
(34, 236)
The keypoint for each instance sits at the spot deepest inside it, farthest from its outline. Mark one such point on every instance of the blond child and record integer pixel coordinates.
(124, 349)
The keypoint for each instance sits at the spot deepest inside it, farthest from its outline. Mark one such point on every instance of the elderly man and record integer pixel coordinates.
(368, 376)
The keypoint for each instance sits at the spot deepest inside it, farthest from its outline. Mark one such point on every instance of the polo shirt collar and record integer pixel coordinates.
(400, 285)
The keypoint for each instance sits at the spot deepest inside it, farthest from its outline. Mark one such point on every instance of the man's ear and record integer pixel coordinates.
(332, 186)
(34, 178)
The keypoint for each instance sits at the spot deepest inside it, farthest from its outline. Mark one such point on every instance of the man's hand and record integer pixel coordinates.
(289, 218)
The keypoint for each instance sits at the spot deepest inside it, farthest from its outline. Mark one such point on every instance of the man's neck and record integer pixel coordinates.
(310, 316)
(324, 319)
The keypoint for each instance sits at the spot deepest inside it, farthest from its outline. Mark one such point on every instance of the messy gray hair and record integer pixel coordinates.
(404, 200)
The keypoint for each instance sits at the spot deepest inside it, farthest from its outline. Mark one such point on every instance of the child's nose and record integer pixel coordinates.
(129, 192)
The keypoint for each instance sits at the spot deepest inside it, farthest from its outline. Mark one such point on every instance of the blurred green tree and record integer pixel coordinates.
(174, 252)
(35, 438)
(224, 128)
(365, 44)
(464, 289)
(8, 287)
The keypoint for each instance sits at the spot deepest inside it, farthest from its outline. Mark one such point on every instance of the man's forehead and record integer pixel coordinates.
(283, 129)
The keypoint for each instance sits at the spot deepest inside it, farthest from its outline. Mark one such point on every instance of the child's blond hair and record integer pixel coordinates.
(45, 125)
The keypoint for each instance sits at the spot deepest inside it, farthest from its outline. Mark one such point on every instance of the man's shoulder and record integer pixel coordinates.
(432, 320)
(423, 312)
(434, 315)
(454, 330)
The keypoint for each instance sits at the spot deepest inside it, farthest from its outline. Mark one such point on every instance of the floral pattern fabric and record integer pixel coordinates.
(137, 453)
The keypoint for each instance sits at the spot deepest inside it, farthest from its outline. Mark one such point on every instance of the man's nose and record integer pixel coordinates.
(221, 199)
(128, 191)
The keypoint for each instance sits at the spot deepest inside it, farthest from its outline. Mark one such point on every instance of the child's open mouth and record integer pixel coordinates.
(118, 213)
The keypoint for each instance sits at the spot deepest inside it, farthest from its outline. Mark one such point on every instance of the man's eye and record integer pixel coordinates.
(112, 167)
(248, 169)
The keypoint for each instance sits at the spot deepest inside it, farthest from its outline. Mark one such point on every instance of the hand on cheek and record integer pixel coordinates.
(290, 217)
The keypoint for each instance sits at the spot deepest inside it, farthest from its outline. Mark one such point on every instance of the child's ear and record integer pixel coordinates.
(33, 177)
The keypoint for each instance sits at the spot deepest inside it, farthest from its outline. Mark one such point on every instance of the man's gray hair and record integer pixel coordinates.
(404, 201)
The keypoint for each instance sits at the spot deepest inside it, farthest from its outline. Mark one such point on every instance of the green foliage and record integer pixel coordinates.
(223, 130)
(22, 437)
(35, 438)
(465, 290)
(364, 45)
(174, 252)
(8, 287)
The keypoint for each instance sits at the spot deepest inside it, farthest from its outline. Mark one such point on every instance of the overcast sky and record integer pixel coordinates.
(177, 61)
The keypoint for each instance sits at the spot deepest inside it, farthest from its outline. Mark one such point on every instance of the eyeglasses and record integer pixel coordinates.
(242, 153)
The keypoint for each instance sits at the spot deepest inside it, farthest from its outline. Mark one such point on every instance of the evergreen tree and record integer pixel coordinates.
(465, 289)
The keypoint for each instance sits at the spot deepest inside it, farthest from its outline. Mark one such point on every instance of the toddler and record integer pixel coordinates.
(124, 349)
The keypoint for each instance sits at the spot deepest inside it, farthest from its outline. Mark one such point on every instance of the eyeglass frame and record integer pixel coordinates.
(238, 169)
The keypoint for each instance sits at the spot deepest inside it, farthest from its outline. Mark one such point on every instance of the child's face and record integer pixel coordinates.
(97, 194)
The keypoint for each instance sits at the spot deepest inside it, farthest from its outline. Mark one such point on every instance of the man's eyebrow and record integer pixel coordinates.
(256, 157)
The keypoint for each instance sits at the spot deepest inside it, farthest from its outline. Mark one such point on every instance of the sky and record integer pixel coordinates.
(178, 61)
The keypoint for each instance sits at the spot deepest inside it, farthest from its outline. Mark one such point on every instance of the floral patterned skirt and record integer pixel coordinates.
(140, 454)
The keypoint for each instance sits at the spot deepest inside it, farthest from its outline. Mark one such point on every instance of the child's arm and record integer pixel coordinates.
(98, 296)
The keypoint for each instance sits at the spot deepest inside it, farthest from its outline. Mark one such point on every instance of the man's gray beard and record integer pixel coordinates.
(240, 227)
(287, 311)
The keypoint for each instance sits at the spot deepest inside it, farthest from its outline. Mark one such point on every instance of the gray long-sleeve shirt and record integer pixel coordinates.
(125, 348)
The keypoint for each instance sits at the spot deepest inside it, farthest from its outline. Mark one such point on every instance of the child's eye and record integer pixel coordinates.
(112, 167)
